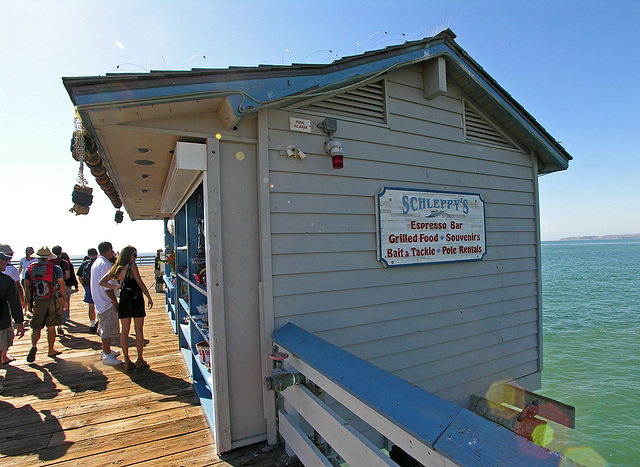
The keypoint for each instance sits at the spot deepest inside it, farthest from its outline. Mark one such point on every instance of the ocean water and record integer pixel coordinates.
(591, 326)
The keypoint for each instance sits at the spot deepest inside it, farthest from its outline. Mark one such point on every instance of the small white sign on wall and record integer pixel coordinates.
(423, 227)
(299, 124)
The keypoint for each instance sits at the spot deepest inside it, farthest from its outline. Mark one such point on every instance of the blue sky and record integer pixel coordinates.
(574, 65)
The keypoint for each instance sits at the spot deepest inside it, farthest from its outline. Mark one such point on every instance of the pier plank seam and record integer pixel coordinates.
(75, 411)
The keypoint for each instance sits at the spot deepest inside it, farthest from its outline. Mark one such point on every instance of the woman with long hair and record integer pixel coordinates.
(131, 303)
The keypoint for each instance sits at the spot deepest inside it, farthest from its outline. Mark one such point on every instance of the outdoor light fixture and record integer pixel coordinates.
(333, 147)
(293, 151)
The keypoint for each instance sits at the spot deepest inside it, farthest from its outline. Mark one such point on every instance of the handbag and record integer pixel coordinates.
(129, 291)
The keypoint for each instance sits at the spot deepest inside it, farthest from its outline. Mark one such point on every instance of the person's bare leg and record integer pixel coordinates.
(139, 328)
(106, 346)
(124, 338)
(51, 338)
(35, 336)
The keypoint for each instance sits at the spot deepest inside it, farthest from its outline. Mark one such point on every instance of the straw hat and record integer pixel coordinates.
(45, 253)
(6, 250)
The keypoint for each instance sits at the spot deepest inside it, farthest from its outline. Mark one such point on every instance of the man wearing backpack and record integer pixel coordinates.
(46, 296)
(84, 277)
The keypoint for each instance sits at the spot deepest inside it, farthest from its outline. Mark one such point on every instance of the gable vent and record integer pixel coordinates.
(478, 130)
(366, 102)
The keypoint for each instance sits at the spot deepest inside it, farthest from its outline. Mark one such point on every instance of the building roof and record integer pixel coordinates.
(249, 89)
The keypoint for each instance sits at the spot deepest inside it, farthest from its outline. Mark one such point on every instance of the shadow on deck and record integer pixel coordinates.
(73, 410)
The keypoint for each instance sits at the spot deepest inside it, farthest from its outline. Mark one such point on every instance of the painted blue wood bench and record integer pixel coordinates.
(456, 433)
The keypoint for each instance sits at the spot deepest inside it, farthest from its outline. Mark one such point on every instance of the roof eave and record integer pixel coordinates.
(252, 89)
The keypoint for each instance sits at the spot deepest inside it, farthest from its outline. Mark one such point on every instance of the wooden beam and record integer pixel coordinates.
(226, 114)
(515, 396)
(434, 74)
(352, 446)
(306, 451)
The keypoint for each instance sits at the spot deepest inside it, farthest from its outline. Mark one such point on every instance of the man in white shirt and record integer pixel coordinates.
(106, 304)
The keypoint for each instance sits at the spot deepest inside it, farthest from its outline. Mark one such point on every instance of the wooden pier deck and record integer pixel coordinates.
(73, 410)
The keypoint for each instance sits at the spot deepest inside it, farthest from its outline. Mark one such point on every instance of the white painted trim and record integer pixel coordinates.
(266, 271)
(354, 448)
(412, 445)
(215, 298)
(434, 76)
(187, 194)
(305, 450)
(247, 441)
(536, 208)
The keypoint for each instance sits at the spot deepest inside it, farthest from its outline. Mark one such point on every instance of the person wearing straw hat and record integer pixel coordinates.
(44, 286)
(9, 308)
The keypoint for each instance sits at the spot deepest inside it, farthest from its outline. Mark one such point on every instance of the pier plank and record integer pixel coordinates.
(72, 410)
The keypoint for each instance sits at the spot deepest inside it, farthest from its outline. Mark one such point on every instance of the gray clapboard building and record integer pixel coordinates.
(284, 171)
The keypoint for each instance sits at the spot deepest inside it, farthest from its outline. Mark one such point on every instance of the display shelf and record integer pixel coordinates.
(186, 299)
(170, 283)
(200, 288)
(172, 319)
(203, 391)
(188, 359)
(204, 371)
(188, 280)
(200, 326)
(185, 329)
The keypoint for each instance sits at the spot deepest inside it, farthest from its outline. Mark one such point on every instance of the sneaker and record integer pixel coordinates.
(141, 364)
(110, 360)
(93, 329)
(114, 352)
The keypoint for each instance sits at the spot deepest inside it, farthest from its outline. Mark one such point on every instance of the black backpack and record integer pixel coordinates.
(86, 271)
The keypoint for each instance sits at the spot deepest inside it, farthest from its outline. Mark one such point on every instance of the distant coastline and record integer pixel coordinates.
(603, 237)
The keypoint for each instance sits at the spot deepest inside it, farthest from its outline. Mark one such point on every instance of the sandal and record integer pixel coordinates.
(9, 360)
(129, 366)
(141, 364)
(54, 354)
(32, 355)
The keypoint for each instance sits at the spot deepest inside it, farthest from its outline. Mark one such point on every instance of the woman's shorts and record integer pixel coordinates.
(131, 313)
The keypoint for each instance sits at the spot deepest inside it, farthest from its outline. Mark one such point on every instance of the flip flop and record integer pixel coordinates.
(9, 360)
(57, 352)
(32, 355)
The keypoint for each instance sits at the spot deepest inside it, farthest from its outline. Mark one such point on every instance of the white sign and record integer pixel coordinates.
(299, 124)
(424, 227)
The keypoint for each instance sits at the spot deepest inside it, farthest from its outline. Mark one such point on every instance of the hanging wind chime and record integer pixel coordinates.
(81, 195)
